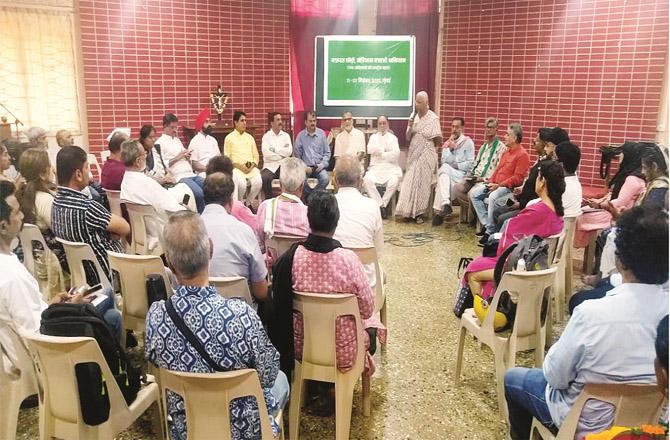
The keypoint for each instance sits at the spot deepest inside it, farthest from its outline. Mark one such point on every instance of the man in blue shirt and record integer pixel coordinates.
(607, 340)
(229, 330)
(312, 148)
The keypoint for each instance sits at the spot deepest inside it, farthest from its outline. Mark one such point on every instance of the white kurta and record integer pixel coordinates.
(203, 147)
(350, 143)
(384, 154)
(276, 147)
(170, 148)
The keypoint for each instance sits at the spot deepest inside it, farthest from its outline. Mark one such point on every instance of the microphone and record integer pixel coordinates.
(413, 115)
(158, 148)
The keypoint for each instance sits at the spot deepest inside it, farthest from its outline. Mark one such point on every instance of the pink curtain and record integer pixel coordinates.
(308, 19)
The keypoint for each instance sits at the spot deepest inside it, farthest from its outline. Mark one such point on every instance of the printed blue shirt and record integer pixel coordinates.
(233, 336)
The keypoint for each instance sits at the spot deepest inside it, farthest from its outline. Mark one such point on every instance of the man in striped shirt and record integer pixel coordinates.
(485, 163)
(77, 217)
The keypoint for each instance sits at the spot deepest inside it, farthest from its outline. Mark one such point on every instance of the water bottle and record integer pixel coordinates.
(521, 265)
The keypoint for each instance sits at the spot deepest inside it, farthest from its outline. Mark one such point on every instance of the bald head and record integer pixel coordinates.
(187, 246)
(348, 171)
(421, 103)
(64, 138)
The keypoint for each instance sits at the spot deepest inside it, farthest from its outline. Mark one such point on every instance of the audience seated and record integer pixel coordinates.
(458, 155)
(424, 136)
(509, 173)
(241, 148)
(276, 145)
(312, 148)
(350, 141)
(543, 219)
(360, 223)
(36, 197)
(661, 361)
(113, 169)
(77, 217)
(569, 155)
(608, 340)
(5, 162)
(384, 169)
(21, 303)
(63, 139)
(235, 251)
(485, 163)
(148, 140)
(203, 146)
(172, 153)
(37, 137)
(320, 264)
(222, 164)
(228, 329)
(141, 189)
(284, 214)
(627, 185)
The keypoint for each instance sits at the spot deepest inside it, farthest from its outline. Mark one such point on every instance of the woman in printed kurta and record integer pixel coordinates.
(424, 135)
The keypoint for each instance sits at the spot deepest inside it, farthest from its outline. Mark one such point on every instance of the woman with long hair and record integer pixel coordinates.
(626, 187)
(36, 197)
(544, 218)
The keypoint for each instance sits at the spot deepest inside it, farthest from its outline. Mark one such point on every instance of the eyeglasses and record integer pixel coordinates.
(347, 119)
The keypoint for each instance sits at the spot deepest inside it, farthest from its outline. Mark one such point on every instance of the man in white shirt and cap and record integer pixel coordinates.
(350, 140)
(203, 146)
(384, 170)
(276, 146)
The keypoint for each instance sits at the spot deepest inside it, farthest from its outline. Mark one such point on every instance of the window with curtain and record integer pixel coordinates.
(38, 74)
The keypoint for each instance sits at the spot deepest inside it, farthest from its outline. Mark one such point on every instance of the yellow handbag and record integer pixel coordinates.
(482, 309)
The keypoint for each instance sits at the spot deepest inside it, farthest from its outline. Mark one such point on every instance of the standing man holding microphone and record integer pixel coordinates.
(424, 136)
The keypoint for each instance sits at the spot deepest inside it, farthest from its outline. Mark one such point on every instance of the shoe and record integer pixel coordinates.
(419, 220)
(384, 212)
(437, 219)
(481, 232)
(484, 239)
(131, 340)
(447, 210)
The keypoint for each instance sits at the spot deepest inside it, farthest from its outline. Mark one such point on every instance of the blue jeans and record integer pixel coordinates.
(196, 183)
(323, 180)
(485, 213)
(280, 390)
(524, 392)
(109, 312)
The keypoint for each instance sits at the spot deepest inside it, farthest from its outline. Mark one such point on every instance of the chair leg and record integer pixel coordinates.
(344, 394)
(366, 394)
(295, 403)
(459, 357)
(9, 415)
(157, 421)
(500, 369)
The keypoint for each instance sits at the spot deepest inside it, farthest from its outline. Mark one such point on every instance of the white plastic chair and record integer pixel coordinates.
(278, 244)
(232, 287)
(528, 331)
(138, 215)
(30, 234)
(133, 271)
(15, 388)
(76, 253)
(369, 256)
(207, 397)
(563, 284)
(114, 198)
(634, 405)
(93, 162)
(319, 362)
(104, 155)
(55, 359)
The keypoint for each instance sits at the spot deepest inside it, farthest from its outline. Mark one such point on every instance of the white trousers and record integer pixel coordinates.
(371, 188)
(447, 177)
(241, 185)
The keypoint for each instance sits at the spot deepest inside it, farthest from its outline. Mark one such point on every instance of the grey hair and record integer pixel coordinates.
(291, 174)
(130, 151)
(517, 130)
(187, 245)
(491, 120)
(34, 132)
(348, 171)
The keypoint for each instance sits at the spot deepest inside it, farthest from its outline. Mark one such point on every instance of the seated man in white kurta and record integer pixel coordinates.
(384, 169)
(350, 141)
(203, 145)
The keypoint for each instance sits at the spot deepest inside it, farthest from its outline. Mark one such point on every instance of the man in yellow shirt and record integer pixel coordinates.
(241, 148)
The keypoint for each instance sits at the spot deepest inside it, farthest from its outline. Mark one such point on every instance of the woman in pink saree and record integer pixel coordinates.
(544, 218)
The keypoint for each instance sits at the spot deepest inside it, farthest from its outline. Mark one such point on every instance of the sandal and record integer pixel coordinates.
(419, 220)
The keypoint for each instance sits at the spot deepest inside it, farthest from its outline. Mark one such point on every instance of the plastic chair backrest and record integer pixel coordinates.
(55, 359)
(23, 363)
(137, 215)
(369, 256)
(114, 198)
(104, 155)
(93, 162)
(232, 287)
(207, 397)
(529, 287)
(29, 234)
(76, 253)
(555, 247)
(319, 313)
(133, 271)
(635, 404)
(281, 243)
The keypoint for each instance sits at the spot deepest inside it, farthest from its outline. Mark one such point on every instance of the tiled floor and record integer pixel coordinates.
(413, 392)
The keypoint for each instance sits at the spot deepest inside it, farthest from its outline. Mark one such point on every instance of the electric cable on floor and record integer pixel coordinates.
(414, 239)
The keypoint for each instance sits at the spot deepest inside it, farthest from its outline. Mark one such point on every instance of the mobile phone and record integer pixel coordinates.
(92, 289)
(510, 203)
(186, 199)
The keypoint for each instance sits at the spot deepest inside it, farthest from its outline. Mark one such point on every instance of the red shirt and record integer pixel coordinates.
(512, 168)
(111, 174)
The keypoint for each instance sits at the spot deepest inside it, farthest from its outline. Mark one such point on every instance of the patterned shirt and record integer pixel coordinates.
(232, 334)
(76, 217)
(488, 158)
(289, 218)
(339, 271)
